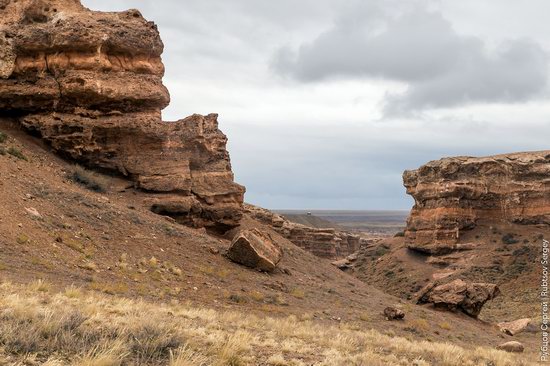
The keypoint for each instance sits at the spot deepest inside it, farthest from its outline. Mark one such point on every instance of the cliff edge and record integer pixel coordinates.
(90, 84)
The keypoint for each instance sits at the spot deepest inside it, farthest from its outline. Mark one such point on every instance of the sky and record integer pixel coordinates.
(327, 102)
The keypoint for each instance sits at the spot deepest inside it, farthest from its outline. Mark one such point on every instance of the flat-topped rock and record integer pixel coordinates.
(451, 195)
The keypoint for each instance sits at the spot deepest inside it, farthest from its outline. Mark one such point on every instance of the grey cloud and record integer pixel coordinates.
(420, 48)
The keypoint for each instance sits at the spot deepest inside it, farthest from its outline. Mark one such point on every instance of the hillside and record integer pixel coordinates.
(125, 240)
(58, 231)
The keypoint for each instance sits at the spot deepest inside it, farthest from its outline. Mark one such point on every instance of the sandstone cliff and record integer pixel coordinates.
(325, 243)
(453, 195)
(90, 84)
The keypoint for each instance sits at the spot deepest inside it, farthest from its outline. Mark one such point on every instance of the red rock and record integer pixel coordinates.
(90, 84)
(451, 195)
(325, 243)
(255, 249)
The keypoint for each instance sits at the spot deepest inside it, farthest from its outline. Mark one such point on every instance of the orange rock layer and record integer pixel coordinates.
(453, 195)
(90, 84)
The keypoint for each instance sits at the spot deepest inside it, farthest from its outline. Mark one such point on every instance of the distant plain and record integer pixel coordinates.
(371, 221)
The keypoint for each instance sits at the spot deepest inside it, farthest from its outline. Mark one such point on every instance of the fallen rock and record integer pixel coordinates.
(393, 313)
(458, 296)
(512, 346)
(255, 249)
(514, 327)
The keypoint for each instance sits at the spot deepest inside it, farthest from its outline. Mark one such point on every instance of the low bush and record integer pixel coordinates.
(13, 151)
(90, 180)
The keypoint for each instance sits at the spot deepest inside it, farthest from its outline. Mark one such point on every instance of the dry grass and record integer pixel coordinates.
(74, 327)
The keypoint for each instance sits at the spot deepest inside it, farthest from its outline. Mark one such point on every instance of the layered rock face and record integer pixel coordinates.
(90, 84)
(325, 243)
(454, 194)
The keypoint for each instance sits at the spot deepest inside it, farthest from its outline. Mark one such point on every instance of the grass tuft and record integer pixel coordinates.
(91, 180)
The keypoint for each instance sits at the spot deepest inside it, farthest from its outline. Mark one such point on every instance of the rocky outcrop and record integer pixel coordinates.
(453, 195)
(326, 243)
(90, 84)
(255, 249)
(458, 296)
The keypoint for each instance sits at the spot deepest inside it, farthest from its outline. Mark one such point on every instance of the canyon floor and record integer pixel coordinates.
(98, 264)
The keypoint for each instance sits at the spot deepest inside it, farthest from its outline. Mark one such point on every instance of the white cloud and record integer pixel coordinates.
(327, 144)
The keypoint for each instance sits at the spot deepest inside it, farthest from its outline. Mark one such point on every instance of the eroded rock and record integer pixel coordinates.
(458, 295)
(452, 195)
(325, 243)
(255, 249)
(90, 84)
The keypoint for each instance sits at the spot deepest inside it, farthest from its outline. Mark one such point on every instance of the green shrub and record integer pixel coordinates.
(3, 137)
(13, 151)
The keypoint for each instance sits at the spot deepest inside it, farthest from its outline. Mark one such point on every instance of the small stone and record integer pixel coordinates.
(393, 313)
(512, 346)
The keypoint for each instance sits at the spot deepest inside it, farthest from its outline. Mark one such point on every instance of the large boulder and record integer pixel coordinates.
(458, 295)
(514, 327)
(255, 249)
(512, 346)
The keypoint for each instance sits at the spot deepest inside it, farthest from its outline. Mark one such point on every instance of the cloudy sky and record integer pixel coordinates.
(327, 102)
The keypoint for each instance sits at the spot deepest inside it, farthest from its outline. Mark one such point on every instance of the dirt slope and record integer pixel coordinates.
(54, 229)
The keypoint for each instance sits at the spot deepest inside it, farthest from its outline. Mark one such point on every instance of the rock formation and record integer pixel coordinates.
(255, 249)
(90, 84)
(453, 195)
(458, 296)
(325, 243)
(515, 327)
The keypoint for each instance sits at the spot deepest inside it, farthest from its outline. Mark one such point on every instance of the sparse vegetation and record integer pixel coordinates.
(298, 293)
(13, 151)
(509, 239)
(90, 180)
(93, 329)
(3, 137)
(22, 239)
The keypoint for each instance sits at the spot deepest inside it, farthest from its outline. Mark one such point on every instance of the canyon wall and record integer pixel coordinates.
(454, 195)
(326, 243)
(90, 84)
